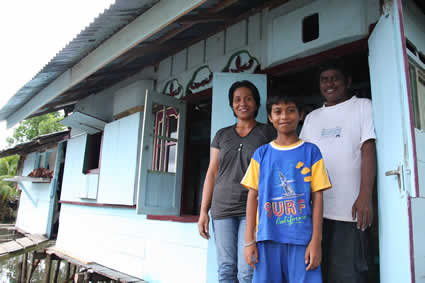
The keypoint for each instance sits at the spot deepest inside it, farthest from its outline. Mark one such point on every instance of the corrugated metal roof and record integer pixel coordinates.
(104, 26)
(210, 17)
(35, 144)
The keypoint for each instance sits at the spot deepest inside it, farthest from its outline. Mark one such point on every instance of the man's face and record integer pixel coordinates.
(334, 86)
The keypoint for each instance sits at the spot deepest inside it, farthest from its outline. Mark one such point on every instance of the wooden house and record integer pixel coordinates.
(145, 89)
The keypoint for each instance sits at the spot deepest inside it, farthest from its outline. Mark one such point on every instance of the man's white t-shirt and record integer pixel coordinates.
(339, 131)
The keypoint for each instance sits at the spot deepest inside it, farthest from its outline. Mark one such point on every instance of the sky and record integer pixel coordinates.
(32, 33)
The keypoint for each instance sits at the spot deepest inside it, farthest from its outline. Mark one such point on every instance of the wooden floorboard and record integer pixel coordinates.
(95, 267)
(19, 241)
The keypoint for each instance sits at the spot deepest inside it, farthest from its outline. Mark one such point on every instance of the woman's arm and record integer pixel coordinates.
(207, 193)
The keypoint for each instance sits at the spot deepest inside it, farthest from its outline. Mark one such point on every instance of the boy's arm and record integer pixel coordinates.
(313, 253)
(250, 251)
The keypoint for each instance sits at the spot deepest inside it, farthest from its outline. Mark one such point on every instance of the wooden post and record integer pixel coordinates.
(30, 269)
(67, 270)
(19, 272)
(24, 267)
(46, 278)
(79, 277)
(56, 272)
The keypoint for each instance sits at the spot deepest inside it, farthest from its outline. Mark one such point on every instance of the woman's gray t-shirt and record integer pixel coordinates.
(229, 197)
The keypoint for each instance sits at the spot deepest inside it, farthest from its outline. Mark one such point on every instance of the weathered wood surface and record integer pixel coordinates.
(93, 267)
(19, 241)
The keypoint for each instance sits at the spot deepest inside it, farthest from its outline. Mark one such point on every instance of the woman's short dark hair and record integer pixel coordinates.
(249, 86)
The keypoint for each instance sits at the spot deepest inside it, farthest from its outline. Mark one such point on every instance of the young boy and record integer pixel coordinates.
(285, 179)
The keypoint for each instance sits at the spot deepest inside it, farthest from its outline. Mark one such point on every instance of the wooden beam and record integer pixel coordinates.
(185, 25)
(150, 22)
(204, 19)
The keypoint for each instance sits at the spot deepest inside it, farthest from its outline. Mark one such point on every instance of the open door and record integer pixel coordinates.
(222, 116)
(161, 155)
(395, 151)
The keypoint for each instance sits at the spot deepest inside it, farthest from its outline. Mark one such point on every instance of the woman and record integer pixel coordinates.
(230, 154)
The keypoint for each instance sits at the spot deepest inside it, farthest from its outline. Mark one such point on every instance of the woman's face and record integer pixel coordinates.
(244, 105)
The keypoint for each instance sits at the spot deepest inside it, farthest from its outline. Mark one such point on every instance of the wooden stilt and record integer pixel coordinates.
(67, 269)
(56, 271)
(24, 267)
(79, 277)
(30, 269)
(19, 272)
(46, 278)
(33, 266)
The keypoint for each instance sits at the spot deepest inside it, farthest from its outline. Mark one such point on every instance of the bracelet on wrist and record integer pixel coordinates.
(250, 243)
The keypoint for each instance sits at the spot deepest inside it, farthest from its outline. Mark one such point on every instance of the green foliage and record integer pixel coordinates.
(8, 167)
(34, 127)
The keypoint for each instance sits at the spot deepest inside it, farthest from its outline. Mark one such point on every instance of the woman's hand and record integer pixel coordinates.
(203, 223)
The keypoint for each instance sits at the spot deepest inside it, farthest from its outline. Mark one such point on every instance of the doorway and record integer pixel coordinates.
(302, 79)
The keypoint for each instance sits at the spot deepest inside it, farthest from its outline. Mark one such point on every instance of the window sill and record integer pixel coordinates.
(95, 204)
(183, 218)
(93, 171)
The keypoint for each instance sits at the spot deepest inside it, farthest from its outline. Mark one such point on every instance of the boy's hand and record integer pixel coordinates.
(251, 253)
(313, 255)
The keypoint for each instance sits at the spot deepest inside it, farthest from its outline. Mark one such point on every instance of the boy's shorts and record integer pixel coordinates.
(279, 263)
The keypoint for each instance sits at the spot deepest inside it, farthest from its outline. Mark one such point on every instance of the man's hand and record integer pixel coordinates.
(364, 210)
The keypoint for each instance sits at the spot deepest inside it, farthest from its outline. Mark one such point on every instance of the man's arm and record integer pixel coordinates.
(363, 204)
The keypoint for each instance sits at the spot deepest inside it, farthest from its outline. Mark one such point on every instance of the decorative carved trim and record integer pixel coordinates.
(173, 88)
(242, 62)
(201, 80)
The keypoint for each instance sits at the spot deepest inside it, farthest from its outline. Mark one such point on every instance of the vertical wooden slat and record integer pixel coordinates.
(24, 267)
(67, 270)
(19, 272)
(46, 278)
(56, 272)
(30, 269)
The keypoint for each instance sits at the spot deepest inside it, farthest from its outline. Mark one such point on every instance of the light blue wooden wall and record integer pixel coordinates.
(33, 218)
(157, 251)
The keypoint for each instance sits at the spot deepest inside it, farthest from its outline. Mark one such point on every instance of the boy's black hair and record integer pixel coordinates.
(279, 98)
(334, 64)
(249, 86)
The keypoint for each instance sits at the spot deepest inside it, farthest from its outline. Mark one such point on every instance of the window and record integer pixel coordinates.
(310, 28)
(417, 88)
(165, 140)
(92, 153)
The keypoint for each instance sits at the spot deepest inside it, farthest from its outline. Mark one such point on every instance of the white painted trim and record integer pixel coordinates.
(150, 22)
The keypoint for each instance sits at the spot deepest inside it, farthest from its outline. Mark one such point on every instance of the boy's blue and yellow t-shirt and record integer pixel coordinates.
(285, 176)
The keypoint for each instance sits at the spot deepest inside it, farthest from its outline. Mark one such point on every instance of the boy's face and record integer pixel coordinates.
(334, 86)
(285, 118)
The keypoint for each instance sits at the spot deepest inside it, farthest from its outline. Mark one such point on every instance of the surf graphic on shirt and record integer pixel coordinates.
(289, 207)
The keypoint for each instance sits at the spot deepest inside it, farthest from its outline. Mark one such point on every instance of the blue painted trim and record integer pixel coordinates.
(53, 188)
(27, 192)
(37, 160)
(46, 159)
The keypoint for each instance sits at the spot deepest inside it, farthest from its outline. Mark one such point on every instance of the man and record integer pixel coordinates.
(343, 130)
